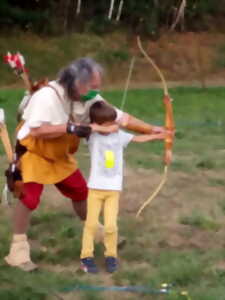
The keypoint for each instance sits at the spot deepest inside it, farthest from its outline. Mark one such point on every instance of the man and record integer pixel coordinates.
(50, 133)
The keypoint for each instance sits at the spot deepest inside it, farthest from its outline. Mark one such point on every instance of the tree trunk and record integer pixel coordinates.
(62, 14)
(71, 13)
(119, 11)
(111, 9)
(78, 7)
(179, 16)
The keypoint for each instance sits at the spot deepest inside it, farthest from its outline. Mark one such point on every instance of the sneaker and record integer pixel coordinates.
(88, 265)
(111, 264)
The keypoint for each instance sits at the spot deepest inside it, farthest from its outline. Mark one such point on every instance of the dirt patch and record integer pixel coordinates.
(178, 236)
(182, 195)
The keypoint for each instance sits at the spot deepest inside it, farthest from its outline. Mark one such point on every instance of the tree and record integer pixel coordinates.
(179, 16)
(119, 12)
(144, 16)
(78, 7)
(111, 9)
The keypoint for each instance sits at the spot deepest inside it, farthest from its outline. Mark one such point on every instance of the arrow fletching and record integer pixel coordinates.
(16, 62)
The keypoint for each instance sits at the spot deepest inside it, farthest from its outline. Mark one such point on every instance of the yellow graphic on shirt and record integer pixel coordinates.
(109, 159)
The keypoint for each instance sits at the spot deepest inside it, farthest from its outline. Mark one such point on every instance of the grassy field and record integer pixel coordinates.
(179, 239)
(197, 57)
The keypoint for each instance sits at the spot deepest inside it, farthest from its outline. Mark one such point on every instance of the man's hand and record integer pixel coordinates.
(104, 129)
(124, 120)
(158, 129)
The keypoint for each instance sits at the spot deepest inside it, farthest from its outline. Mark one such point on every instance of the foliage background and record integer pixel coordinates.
(143, 17)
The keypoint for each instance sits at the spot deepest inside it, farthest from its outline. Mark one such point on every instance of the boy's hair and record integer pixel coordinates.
(101, 112)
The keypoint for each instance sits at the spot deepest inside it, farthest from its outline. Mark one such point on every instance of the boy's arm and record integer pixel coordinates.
(148, 137)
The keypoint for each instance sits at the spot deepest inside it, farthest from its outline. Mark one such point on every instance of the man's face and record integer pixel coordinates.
(93, 84)
(96, 81)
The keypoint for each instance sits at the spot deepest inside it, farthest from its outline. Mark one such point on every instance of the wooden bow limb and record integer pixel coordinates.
(151, 61)
(169, 125)
(9, 153)
(5, 137)
(157, 190)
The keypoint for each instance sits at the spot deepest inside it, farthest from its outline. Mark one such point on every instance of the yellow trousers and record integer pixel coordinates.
(97, 199)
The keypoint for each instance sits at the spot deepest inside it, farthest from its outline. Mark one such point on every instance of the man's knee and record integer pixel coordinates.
(30, 202)
(80, 208)
(79, 195)
(31, 194)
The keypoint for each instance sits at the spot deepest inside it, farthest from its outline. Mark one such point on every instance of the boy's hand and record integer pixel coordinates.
(160, 136)
(170, 133)
(164, 135)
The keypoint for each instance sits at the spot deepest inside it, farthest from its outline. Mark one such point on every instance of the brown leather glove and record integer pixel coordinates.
(78, 130)
(12, 174)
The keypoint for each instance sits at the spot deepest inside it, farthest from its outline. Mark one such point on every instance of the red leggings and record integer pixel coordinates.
(73, 187)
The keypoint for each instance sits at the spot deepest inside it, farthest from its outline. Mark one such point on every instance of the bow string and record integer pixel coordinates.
(169, 125)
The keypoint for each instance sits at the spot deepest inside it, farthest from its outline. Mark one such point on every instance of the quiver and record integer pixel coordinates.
(13, 173)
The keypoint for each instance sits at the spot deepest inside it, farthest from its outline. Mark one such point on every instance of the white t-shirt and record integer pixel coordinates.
(45, 106)
(107, 160)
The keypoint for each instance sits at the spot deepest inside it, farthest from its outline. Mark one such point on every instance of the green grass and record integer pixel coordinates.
(197, 219)
(36, 285)
(220, 60)
(182, 268)
(221, 205)
(55, 227)
(217, 182)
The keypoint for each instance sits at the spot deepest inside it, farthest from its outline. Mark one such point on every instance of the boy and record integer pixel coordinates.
(105, 184)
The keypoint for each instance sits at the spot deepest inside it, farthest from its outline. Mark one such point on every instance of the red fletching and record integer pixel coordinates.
(16, 61)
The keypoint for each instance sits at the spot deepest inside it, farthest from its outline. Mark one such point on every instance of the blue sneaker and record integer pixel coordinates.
(88, 265)
(111, 264)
